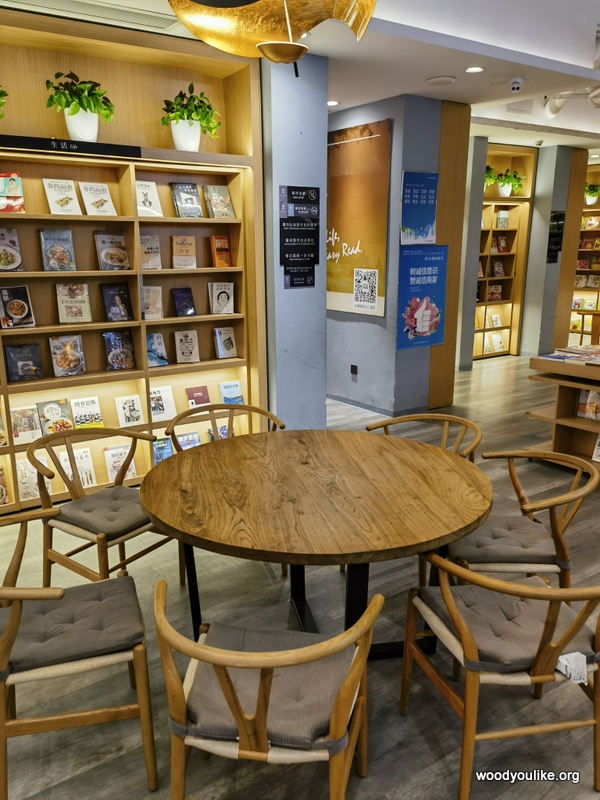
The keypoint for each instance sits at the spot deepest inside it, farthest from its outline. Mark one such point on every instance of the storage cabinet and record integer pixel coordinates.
(503, 256)
(119, 59)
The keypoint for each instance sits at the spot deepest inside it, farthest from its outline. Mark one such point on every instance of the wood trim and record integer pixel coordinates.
(454, 147)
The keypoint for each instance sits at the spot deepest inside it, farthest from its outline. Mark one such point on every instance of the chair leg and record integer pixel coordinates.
(178, 765)
(140, 665)
(122, 557)
(181, 558)
(102, 547)
(564, 579)
(410, 631)
(46, 563)
(4, 702)
(284, 570)
(11, 702)
(596, 706)
(422, 572)
(361, 742)
(468, 733)
(338, 776)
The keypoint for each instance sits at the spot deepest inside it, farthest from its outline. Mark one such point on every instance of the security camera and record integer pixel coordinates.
(515, 85)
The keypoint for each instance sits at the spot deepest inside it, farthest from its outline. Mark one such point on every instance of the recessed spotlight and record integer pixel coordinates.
(474, 69)
(594, 156)
(332, 103)
(441, 80)
(305, 35)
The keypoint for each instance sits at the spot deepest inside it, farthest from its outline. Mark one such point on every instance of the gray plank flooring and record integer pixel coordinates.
(410, 757)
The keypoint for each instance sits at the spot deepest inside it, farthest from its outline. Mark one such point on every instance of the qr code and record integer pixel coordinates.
(365, 288)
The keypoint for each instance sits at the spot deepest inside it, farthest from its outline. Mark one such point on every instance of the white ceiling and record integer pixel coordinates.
(550, 44)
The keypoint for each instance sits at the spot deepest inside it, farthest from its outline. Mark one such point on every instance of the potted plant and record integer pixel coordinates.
(592, 190)
(3, 96)
(190, 115)
(83, 102)
(509, 181)
(489, 179)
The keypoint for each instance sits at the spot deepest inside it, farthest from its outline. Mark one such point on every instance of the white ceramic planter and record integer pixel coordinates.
(504, 189)
(590, 201)
(83, 126)
(186, 134)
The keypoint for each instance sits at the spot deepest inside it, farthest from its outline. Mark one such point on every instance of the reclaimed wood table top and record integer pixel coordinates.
(316, 497)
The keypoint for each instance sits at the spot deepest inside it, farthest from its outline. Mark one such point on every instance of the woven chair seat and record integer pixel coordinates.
(115, 511)
(507, 540)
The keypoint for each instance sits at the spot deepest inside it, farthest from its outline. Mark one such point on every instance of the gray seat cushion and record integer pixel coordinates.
(302, 696)
(92, 619)
(114, 511)
(506, 629)
(505, 540)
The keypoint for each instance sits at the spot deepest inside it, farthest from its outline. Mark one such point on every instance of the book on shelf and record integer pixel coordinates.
(162, 403)
(183, 252)
(84, 463)
(12, 200)
(577, 302)
(581, 281)
(583, 263)
(61, 196)
(575, 324)
(150, 251)
(183, 300)
(112, 251)
(119, 350)
(186, 200)
(86, 412)
(231, 392)
(55, 416)
(502, 216)
(498, 269)
(148, 201)
(186, 347)
(114, 456)
(225, 346)
(129, 410)
(117, 302)
(493, 245)
(592, 222)
(220, 298)
(218, 202)
(25, 424)
(10, 252)
(596, 451)
(593, 281)
(67, 355)
(480, 270)
(97, 199)
(4, 495)
(497, 342)
(494, 292)
(57, 250)
(188, 440)
(222, 429)
(73, 301)
(152, 299)
(595, 261)
(155, 348)
(27, 479)
(502, 244)
(3, 436)
(495, 320)
(162, 449)
(16, 310)
(23, 362)
(220, 251)
(586, 243)
(589, 303)
(197, 396)
(487, 345)
(589, 404)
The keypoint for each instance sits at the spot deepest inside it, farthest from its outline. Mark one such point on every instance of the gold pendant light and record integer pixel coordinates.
(271, 28)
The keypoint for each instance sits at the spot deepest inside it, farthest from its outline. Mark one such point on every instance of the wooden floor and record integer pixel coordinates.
(410, 757)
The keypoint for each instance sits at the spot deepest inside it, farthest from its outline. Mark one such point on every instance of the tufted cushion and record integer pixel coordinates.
(90, 620)
(506, 629)
(505, 540)
(114, 511)
(301, 700)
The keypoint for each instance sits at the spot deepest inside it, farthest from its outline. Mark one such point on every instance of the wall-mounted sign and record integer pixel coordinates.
(419, 201)
(555, 236)
(358, 180)
(299, 214)
(421, 296)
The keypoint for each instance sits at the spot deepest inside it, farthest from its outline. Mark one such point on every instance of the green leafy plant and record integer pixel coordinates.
(592, 189)
(513, 179)
(3, 96)
(190, 106)
(489, 179)
(72, 95)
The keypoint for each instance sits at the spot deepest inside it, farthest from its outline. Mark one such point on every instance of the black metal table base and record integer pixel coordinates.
(192, 582)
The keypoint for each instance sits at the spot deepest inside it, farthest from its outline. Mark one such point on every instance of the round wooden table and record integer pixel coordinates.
(317, 497)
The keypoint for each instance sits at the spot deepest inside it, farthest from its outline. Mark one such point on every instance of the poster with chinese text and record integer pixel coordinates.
(421, 296)
(419, 200)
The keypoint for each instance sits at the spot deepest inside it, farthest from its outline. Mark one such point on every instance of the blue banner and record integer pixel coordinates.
(419, 201)
(421, 296)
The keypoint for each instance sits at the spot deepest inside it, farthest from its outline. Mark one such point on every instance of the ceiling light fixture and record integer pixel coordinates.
(332, 103)
(554, 103)
(473, 70)
(441, 80)
(269, 28)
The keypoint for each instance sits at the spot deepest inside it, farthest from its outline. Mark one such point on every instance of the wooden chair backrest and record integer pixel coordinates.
(550, 645)
(583, 477)
(53, 443)
(252, 727)
(455, 432)
(219, 415)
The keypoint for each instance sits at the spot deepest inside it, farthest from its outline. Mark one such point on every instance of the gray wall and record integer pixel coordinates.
(295, 154)
(389, 381)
